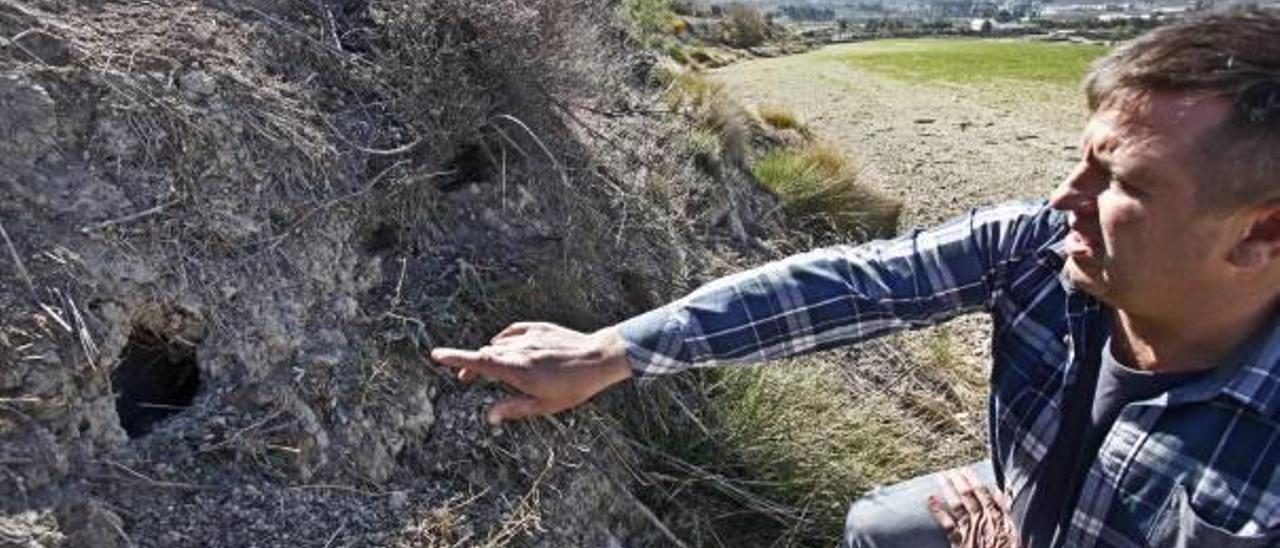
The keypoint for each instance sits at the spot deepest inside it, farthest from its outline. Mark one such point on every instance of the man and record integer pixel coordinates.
(1136, 384)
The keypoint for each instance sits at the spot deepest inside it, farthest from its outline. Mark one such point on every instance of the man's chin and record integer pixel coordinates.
(1085, 279)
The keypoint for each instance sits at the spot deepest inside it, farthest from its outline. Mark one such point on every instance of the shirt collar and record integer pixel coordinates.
(1256, 380)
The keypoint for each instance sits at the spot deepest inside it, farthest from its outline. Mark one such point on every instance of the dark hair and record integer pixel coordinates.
(1232, 54)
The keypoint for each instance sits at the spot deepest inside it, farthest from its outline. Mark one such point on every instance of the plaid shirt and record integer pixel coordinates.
(1196, 466)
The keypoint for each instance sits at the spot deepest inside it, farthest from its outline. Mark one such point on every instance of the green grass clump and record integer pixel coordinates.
(818, 186)
(676, 52)
(975, 60)
(773, 455)
(809, 441)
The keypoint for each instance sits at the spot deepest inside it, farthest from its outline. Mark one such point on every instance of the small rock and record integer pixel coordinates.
(398, 500)
(45, 47)
(203, 34)
(91, 525)
(198, 83)
(326, 360)
(925, 120)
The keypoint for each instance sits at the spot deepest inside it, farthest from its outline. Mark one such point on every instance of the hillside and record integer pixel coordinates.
(232, 229)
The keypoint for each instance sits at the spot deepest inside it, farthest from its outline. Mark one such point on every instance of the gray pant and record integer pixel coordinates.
(897, 516)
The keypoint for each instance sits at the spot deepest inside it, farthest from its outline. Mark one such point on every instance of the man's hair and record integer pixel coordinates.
(1232, 54)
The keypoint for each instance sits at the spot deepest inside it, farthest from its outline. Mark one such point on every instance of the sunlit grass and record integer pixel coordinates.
(818, 185)
(780, 117)
(967, 61)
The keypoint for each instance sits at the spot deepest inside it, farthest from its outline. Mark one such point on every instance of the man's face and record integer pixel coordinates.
(1140, 239)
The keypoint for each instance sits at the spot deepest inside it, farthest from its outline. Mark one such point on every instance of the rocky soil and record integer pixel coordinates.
(230, 230)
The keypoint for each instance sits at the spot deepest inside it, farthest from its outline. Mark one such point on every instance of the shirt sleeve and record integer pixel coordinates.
(839, 295)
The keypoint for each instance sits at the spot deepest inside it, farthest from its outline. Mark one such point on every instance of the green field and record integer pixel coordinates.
(972, 61)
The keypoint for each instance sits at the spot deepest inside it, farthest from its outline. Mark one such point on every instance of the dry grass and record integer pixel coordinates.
(817, 185)
(714, 110)
(783, 118)
(773, 455)
(702, 142)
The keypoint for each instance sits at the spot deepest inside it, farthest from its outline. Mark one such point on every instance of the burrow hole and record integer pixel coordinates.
(155, 379)
(383, 238)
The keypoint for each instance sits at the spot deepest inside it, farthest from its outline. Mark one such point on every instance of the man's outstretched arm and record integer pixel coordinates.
(816, 300)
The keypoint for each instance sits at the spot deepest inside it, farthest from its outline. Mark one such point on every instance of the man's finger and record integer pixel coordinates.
(1003, 499)
(967, 491)
(466, 375)
(942, 515)
(489, 366)
(980, 491)
(515, 330)
(520, 407)
(949, 493)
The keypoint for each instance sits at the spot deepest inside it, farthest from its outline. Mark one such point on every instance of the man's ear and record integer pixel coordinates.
(1261, 242)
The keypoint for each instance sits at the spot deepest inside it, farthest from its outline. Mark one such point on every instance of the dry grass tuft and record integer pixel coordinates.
(713, 109)
(799, 431)
(780, 117)
(772, 455)
(819, 186)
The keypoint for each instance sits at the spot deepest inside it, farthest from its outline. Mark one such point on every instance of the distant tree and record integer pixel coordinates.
(807, 13)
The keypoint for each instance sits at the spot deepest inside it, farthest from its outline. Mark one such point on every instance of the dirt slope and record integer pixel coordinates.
(229, 230)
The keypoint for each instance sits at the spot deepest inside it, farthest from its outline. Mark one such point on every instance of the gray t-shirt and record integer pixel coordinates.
(1104, 387)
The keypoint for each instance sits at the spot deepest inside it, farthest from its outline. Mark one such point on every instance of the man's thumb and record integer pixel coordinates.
(516, 408)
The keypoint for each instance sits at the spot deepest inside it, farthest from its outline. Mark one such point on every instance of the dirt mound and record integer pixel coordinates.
(231, 229)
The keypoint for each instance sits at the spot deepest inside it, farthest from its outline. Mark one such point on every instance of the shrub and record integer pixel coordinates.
(652, 19)
(745, 27)
(691, 89)
(713, 110)
(700, 55)
(678, 26)
(818, 187)
(676, 52)
(702, 142)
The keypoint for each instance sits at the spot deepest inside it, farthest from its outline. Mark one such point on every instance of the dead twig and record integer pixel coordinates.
(402, 149)
(335, 534)
(523, 516)
(128, 218)
(82, 332)
(151, 482)
(343, 488)
(641, 506)
(564, 175)
(17, 261)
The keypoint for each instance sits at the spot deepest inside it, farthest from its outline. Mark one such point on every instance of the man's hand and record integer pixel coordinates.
(973, 516)
(553, 368)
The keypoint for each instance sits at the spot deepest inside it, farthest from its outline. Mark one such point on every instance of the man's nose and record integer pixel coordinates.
(1075, 193)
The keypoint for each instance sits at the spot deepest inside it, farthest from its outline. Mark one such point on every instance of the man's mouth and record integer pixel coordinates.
(1079, 244)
